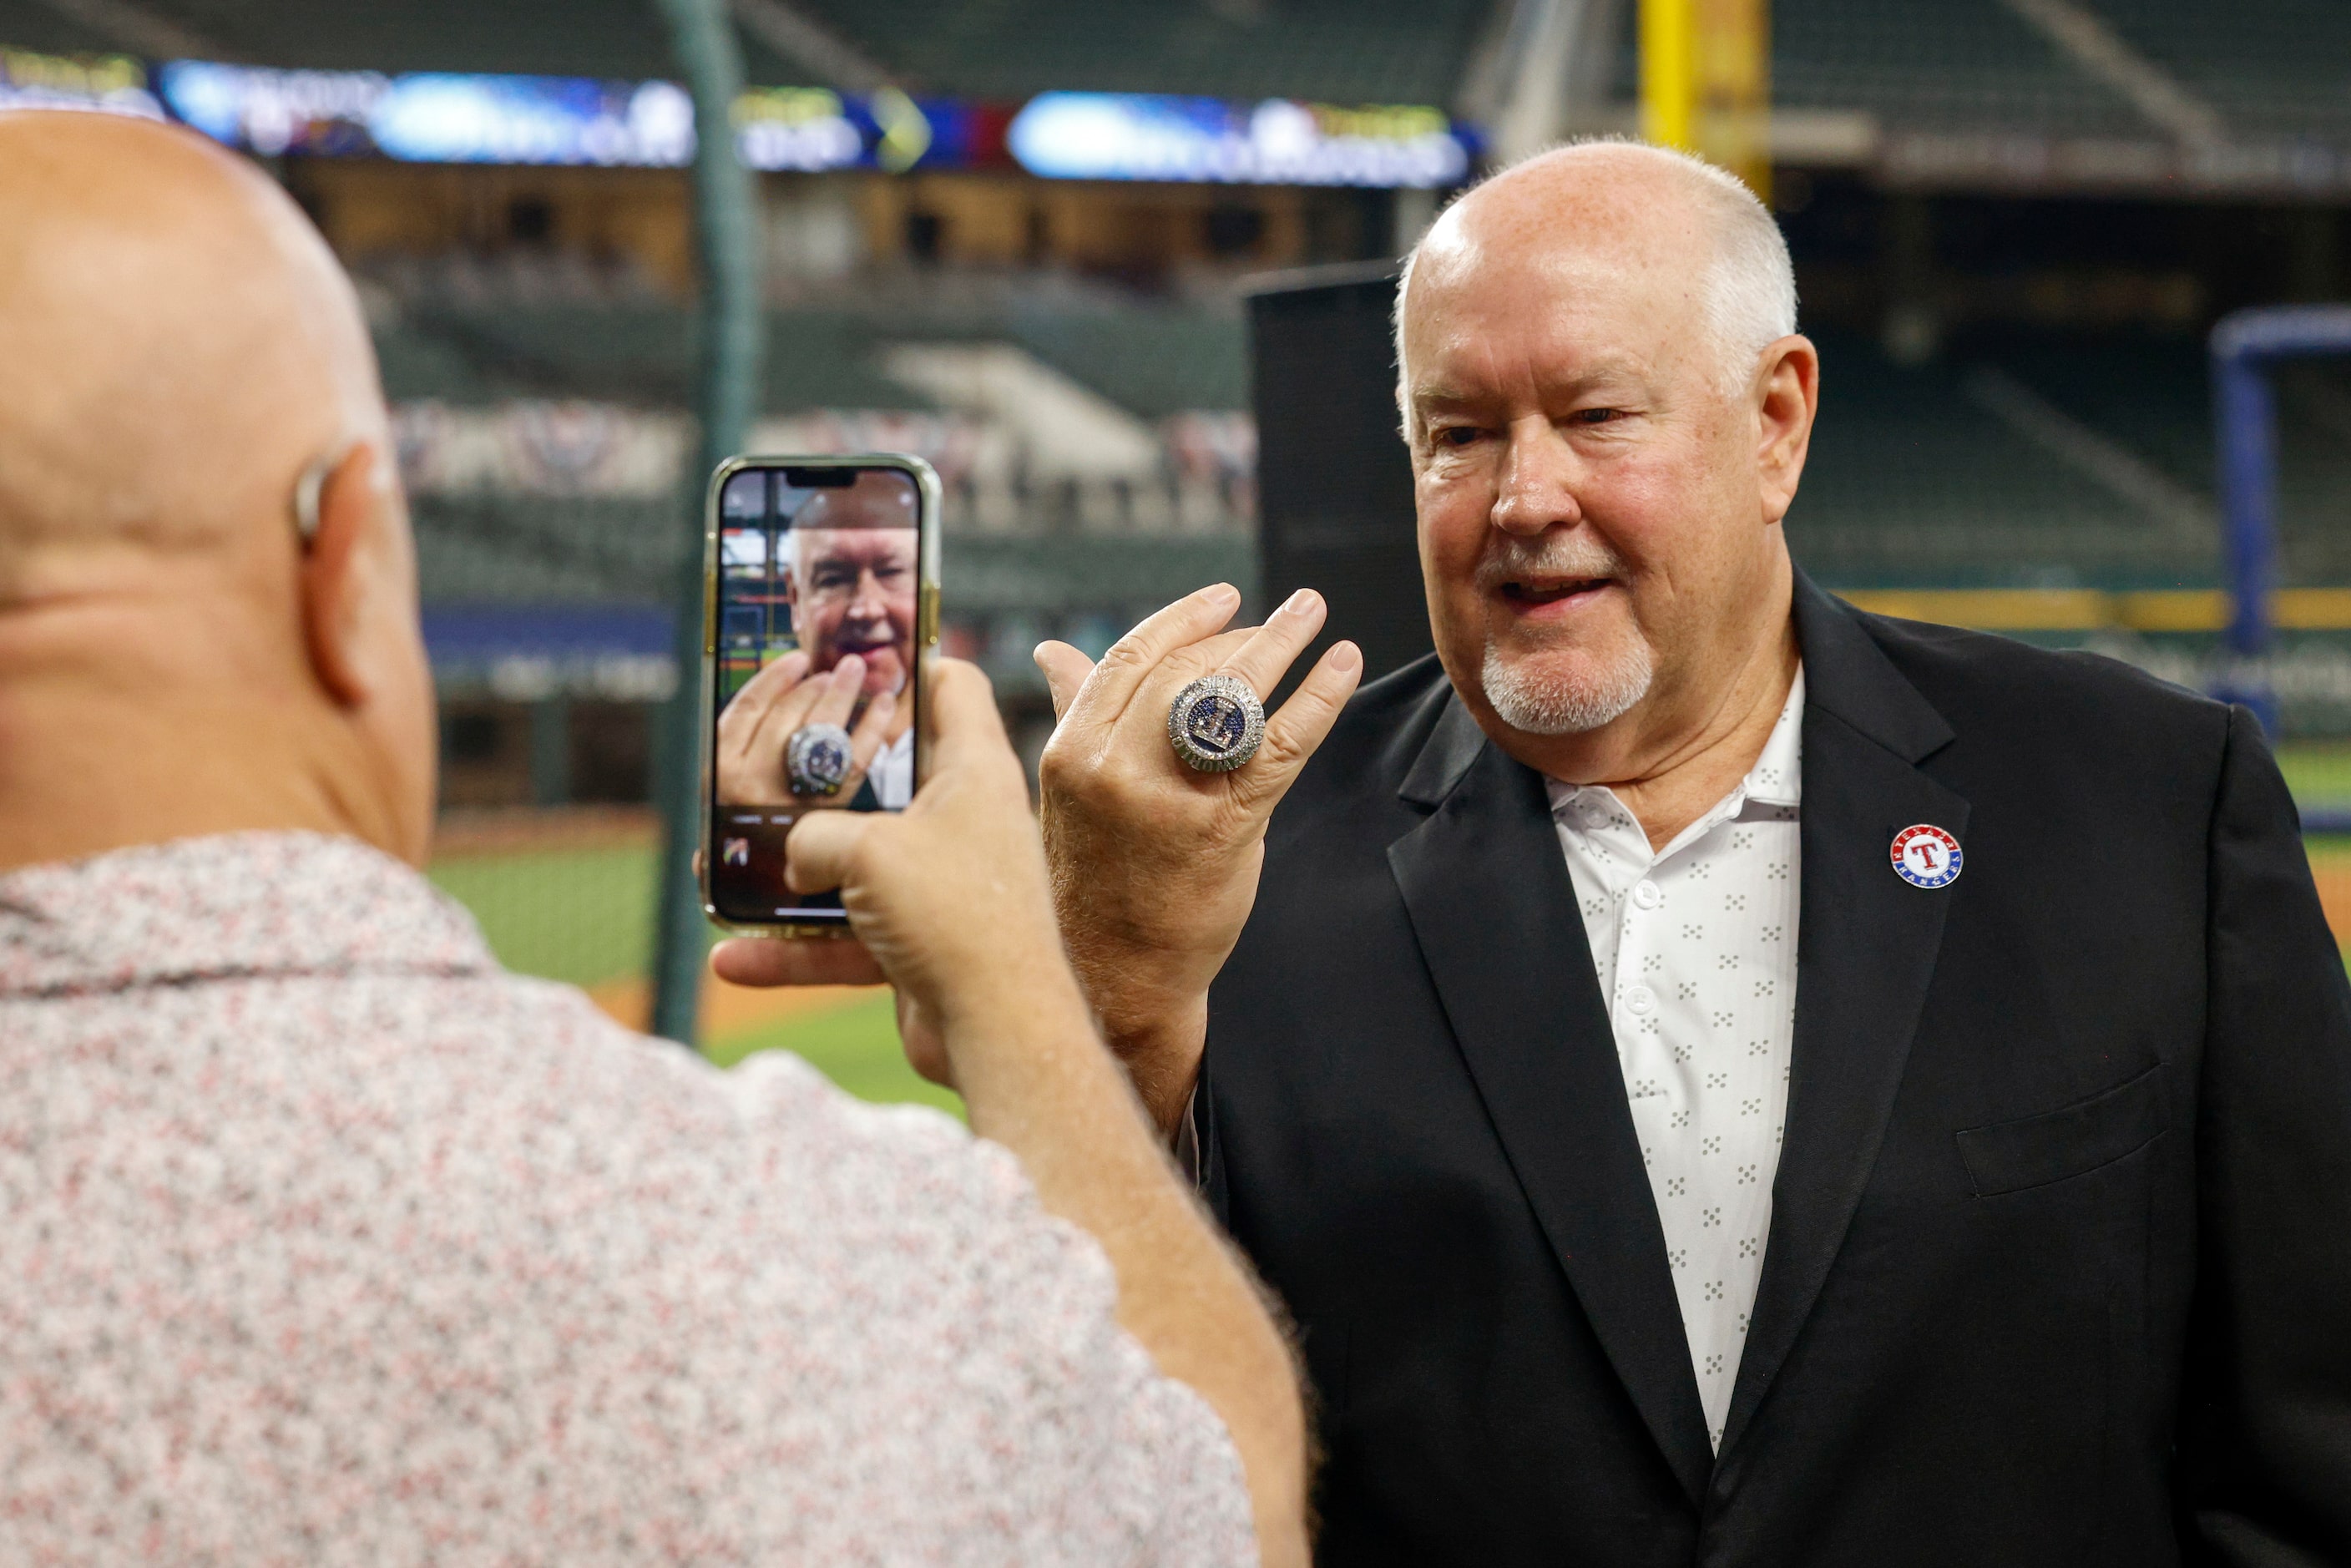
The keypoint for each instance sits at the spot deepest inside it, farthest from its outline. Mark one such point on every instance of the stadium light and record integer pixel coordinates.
(2244, 345)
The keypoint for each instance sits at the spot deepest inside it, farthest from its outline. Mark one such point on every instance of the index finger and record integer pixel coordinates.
(1121, 672)
(771, 961)
(749, 709)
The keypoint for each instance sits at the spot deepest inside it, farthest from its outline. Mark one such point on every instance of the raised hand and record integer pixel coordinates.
(756, 728)
(1155, 865)
(946, 899)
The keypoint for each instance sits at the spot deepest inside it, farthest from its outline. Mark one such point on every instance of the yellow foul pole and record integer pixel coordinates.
(1669, 73)
(1706, 82)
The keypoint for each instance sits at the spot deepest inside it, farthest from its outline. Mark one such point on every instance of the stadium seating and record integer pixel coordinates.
(1912, 481)
(521, 550)
(1931, 65)
(1913, 478)
(26, 25)
(1348, 51)
(611, 39)
(1153, 360)
(2279, 68)
(2272, 69)
(1342, 51)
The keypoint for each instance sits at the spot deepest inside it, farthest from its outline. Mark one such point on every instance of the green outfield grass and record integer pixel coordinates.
(579, 915)
(856, 1046)
(584, 916)
(2318, 775)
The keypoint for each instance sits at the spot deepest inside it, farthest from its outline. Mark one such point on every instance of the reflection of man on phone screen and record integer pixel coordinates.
(852, 590)
(818, 600)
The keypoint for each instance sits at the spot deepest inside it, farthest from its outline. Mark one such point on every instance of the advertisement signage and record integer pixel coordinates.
(112, 84)
(438, 117)
(1279, 142)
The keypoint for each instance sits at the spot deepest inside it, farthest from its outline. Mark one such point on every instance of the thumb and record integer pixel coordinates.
(1065, 670)
(822, 846)
(963, 719)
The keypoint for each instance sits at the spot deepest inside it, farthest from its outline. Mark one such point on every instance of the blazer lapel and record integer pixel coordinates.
(1867, 946)
(1495, 916)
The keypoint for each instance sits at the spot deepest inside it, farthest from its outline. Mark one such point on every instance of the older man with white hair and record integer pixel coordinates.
(1718, 1077)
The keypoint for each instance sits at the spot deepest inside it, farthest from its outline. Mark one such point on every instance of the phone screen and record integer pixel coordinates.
(817, 566)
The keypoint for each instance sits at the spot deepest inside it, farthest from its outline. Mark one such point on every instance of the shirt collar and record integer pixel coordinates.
(234, 904)
(1776, 779)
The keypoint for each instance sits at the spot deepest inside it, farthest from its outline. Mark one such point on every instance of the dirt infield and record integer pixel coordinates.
(2333, 874)
(729, 1011)
(459, 834)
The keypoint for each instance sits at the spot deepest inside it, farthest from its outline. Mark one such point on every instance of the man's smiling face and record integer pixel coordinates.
(853, 592)
(1586, 481)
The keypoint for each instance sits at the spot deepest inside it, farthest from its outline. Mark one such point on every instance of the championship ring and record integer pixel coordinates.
(1215, 724)
(816, 760)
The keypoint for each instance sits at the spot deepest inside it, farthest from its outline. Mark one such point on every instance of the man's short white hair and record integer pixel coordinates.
(1751, 289)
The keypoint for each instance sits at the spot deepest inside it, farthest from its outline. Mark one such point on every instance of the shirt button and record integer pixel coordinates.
(1646, 895)
(1642, 1000)
(1592, 813)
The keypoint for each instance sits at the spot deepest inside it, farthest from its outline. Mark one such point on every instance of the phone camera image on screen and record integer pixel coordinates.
(813, 691)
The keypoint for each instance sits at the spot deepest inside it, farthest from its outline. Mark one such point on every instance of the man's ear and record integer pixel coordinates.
(1791, 397)
(354, 577)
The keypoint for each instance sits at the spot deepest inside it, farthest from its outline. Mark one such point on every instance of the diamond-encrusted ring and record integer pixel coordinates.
(1215, 724)
(816, 759)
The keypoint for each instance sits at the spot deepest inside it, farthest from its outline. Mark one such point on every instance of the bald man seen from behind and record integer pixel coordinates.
(329, 1241)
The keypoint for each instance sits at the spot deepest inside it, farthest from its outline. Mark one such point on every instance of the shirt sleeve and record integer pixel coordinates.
(990, 1377)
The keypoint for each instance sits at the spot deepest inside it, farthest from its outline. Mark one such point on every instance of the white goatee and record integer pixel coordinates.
(1538, 702)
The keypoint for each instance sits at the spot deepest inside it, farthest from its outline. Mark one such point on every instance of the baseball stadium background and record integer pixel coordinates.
(1013, 236)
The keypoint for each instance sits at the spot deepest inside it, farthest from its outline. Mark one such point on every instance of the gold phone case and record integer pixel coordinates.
(927, 643)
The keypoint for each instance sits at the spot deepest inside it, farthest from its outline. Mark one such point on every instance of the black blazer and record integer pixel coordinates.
(2060, 1262)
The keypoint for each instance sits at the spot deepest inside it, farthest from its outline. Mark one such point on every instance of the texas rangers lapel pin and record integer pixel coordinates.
(1926, 856)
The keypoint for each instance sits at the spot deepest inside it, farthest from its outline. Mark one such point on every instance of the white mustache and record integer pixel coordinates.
(1509, 559)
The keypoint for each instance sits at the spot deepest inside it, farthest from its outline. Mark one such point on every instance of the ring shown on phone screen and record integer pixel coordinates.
(822, 612)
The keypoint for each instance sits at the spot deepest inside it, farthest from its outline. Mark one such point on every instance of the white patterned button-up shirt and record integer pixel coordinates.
(1694, 946)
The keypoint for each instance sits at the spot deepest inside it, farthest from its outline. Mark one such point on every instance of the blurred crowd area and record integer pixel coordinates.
(2014, 224)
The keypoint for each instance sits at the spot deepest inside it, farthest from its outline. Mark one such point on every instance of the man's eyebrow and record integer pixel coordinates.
(1610, 370)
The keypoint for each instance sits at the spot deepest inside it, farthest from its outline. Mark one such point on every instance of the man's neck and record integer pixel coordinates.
(94, 759)
(1671, 768)
(1691, 779)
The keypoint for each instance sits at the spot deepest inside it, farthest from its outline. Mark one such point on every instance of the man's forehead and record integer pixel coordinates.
(1580, 315)
(1618, 246)
(873, 499)
(860, 544)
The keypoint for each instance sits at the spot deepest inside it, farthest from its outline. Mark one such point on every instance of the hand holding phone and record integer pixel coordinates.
(910, 880)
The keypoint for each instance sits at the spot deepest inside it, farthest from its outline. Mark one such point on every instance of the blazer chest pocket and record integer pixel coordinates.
(2073, 1140)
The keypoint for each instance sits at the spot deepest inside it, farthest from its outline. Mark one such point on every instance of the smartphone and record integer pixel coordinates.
(807, 562)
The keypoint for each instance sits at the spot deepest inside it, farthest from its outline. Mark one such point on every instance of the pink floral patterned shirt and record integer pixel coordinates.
(325, 1240)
